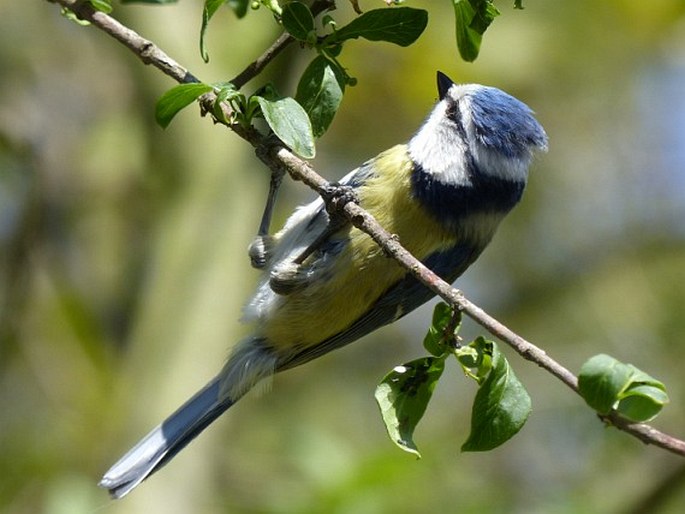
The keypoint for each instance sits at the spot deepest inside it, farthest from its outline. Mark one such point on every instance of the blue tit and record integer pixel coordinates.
(443, 194)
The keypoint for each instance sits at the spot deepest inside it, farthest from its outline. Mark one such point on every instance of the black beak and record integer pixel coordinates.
(444, 84)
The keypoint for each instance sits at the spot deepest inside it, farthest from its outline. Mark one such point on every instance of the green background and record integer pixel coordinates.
(124, 266)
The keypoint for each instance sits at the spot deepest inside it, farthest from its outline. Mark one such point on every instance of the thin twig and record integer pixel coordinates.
(255, 67)
(277, 157)
(146, 50)
(646, 433)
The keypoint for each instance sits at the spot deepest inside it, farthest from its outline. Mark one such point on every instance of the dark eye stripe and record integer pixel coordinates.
(453, 113)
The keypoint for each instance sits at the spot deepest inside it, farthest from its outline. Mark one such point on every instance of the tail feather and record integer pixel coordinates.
(166, 440)
(252, 360)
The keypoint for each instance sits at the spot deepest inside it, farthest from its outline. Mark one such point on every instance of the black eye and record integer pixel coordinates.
(453, 113)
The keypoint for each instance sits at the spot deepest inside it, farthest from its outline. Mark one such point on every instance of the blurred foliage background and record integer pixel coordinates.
(123, 267)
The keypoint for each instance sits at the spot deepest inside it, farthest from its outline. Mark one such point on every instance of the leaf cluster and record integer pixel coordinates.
(501, 405)
(298, 121)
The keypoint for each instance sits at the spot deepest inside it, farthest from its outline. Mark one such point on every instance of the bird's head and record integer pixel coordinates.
(477, 129)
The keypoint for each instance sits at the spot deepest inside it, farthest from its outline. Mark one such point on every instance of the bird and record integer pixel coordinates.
(325, 284)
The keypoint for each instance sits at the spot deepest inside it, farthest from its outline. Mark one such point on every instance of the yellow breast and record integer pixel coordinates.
(361, 273)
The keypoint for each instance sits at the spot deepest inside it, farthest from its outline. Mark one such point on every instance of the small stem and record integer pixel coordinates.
(255, 67)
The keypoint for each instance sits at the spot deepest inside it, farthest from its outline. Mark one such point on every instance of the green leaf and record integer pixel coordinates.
(434, 341)
(642, 402)
(71, 16)
(472, 18)
(226, 92)
(401, 26)
(290, 123)
(104, 6)
(403, 396)
(320, 92)
(210, 8)
(469, 357)
(601, 380)
(501, 406)
(298, 20)
(176, 99)
(485, 14)
(606, 383)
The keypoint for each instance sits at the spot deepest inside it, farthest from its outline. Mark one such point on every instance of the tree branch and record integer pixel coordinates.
(147, 51)
(277, 157)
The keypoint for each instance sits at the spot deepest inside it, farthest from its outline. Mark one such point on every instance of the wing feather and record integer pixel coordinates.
(401, 298)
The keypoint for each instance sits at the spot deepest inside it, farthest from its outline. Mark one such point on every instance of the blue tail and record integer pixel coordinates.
(165, 441)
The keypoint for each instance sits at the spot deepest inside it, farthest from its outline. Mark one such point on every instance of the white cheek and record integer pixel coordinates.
(493, 163)
(439, 150)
